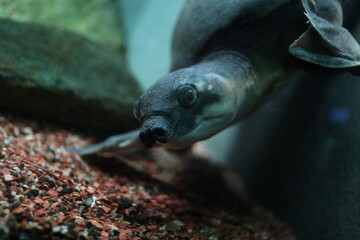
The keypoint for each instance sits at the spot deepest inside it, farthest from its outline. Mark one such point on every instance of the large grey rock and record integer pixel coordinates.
(64, 60)
(97, 20)
(60, 75)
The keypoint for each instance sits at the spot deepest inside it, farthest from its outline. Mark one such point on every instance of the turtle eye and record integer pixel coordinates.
(187, 96)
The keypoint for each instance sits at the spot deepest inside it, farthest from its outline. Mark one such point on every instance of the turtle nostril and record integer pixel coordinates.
(155, 129)
(143, 136)
(146, 138)
(158, 132)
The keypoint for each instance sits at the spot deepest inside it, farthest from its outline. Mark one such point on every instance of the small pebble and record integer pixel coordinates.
(89, 202)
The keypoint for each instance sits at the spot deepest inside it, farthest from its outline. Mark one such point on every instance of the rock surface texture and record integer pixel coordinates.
(65, 62)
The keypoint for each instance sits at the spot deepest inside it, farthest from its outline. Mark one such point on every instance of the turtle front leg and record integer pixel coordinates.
(326, 42)
(127, 140)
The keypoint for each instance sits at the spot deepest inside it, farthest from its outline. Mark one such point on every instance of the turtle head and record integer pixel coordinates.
(184, 107)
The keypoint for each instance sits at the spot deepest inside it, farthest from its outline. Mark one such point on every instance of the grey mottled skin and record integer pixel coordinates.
(236, 52)
(228, 56)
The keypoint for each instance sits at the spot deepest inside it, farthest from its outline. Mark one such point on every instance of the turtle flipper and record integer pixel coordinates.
(326, 42)
(122, 141)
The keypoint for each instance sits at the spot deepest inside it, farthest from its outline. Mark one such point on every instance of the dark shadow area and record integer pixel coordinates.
(299, 156)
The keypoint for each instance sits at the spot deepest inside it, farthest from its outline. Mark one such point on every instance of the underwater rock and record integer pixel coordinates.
(59, 75)
(97, 20)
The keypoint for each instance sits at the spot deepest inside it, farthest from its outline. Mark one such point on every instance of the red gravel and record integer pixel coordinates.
(47, 192)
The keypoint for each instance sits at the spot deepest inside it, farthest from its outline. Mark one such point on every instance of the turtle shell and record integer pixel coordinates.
(200, 19)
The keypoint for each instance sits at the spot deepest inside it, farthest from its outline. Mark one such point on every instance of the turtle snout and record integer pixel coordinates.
(150, 136)
(154, 129)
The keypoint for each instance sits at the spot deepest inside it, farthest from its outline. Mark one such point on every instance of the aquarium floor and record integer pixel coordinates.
(47, 192)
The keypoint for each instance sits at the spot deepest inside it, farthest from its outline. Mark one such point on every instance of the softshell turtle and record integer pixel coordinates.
(227, 56)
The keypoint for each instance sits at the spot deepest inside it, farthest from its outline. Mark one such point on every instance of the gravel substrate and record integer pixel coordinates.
(47, 192)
